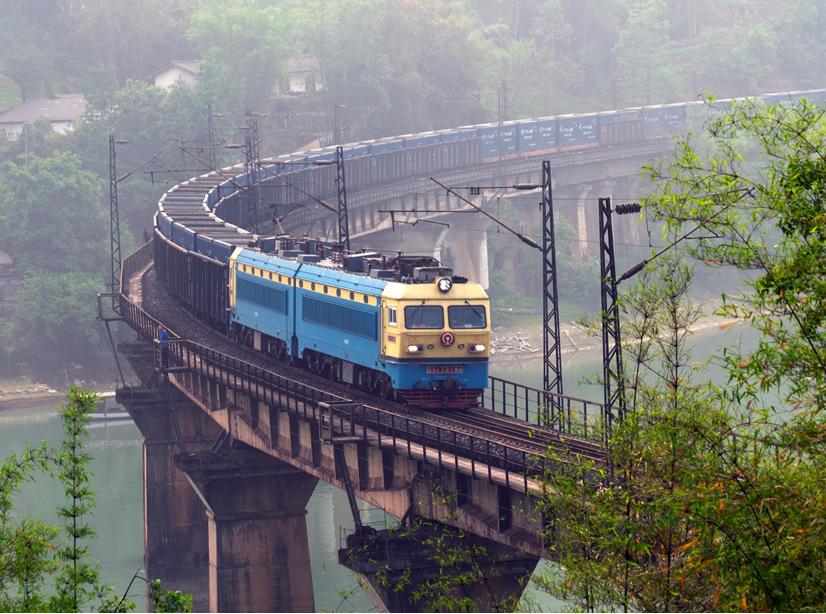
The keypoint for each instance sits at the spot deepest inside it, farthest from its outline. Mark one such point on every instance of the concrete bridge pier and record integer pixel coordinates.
(259, 555)
(175, 528)
(427, 566)
(465, 247)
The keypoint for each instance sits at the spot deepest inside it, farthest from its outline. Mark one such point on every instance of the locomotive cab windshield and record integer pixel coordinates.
(466, 316)
(418, 317)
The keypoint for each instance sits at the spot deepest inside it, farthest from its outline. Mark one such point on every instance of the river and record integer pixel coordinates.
(117, 457)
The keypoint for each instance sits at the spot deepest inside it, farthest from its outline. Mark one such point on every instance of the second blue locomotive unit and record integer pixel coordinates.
(402, 327)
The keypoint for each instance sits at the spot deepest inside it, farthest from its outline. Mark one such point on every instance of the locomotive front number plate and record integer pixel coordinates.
(435, 369)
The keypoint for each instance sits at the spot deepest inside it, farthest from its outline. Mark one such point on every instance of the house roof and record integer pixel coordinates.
(190, 66)
(64, 107)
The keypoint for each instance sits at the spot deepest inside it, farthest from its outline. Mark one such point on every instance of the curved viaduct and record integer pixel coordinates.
(579, 178)
(249, 552)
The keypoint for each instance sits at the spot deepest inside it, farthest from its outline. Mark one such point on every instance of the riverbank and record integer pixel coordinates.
(23, 393)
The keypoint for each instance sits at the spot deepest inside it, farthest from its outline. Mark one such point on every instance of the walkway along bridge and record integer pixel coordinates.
(232, 433)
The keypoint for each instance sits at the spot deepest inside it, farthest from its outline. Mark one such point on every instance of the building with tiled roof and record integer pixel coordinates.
(61, 112)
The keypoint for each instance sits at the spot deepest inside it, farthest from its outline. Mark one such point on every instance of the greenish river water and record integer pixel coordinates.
(117, 455)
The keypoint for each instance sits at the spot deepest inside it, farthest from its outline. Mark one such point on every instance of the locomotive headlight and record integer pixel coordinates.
(414, 349)
(476, 348)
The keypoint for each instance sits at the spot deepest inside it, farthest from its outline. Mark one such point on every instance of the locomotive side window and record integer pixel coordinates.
(466, 316)
(424, 316)
(391, 316)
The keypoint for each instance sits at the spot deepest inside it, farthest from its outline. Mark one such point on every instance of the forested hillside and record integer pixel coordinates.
(386, 67)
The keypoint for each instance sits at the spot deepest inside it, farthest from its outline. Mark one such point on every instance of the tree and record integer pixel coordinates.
(715, 500)
(44, 568)
(620, 535)
(103, 41)
(153, 123)
(374, 64)
(644, 74)
(25, 59)
(243, 47)
(53, 220)
(54, 320)
(51, 214)
(759, 185)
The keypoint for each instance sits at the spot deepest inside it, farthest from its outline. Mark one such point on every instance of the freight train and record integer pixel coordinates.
(334, 315)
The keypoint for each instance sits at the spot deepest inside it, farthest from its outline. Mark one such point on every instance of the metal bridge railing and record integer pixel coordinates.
(341, 419)
(570, 415)
(336, 416)
(134, 262)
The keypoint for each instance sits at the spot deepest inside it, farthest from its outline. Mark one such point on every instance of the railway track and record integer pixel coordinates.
(530, 434)
(505, 435)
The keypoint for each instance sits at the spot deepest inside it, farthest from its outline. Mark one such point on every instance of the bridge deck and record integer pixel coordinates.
(479, 423)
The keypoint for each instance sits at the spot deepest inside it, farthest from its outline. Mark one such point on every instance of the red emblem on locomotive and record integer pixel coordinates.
(447, 338)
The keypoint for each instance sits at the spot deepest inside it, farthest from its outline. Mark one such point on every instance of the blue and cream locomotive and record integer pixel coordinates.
(402, 326)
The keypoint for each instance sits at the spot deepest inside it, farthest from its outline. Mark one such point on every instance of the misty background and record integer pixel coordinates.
(313, 69)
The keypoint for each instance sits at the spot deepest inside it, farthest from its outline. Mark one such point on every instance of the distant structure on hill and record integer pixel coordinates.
(61, 112)
(302, 76)
(185, 71)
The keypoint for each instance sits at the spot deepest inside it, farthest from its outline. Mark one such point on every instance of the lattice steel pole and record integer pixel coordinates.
(114, 226)
(213, 163)
(614, 384)
(343, 223)
(551, 347)
(251, 164)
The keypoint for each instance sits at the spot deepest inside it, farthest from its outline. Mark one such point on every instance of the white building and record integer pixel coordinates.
(185, 71)
(61, 111)
(303, 76)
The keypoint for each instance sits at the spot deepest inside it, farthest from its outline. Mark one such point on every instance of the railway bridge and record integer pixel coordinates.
(235, 442)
